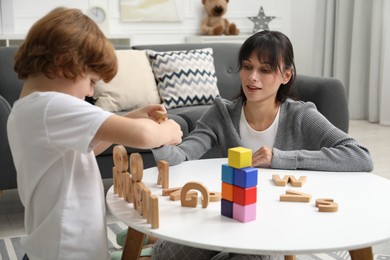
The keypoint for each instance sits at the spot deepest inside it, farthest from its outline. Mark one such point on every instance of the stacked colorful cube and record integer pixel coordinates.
(239, 186)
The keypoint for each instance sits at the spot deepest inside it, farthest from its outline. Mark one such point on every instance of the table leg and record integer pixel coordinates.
(133, 245)
(361, 254)
(290, 257)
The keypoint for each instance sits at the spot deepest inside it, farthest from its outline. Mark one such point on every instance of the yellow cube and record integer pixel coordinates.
(239, 157)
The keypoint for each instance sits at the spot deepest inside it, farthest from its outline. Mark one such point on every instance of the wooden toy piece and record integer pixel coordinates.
(121, 164)
(227, 174)
(136, 167)
(176, 195)
(154, 211)
(297, 183)
(244, 196)
(122, 184)
(129, 189)
(215, 196)
(194, 200)
(137, 188)
(244, 213)
(326, 205)
(159, 116)
(145, 193)
(121, 161)
(239, 157)
(168, 191)
(280, 182)
(246, 177)
(295, 196)
(227, 208)
(163, 174)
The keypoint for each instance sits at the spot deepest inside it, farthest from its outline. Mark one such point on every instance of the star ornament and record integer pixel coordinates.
(261, 21)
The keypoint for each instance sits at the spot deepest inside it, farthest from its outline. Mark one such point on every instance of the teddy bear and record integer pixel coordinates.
(213, 23)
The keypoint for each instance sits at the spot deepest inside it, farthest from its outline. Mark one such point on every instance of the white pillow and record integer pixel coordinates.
(133, 86)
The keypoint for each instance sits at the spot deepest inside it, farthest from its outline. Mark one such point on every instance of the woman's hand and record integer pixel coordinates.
(262, 157)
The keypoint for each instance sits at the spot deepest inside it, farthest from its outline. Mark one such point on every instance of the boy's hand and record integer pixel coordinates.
(145, 112)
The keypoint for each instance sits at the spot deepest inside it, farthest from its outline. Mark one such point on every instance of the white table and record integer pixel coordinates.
(287, 228)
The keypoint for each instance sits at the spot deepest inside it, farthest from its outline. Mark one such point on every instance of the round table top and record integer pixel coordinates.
(362, 219)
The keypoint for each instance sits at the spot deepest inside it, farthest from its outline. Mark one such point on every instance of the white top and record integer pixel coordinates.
(59, 182)
(253, 139)
(287, 228)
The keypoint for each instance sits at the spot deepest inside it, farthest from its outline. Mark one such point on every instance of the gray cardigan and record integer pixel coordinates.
(305, 139)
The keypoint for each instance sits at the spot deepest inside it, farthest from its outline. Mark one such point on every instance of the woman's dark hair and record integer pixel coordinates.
(271, 47)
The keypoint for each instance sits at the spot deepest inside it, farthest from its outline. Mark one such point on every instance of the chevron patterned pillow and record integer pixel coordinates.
(185, 78)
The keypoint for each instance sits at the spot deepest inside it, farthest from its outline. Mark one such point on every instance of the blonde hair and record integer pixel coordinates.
(65, 42)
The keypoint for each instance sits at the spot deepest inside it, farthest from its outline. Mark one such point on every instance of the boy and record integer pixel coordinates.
(54, 135)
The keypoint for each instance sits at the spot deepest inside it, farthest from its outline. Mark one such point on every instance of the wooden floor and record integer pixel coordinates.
(375, 137)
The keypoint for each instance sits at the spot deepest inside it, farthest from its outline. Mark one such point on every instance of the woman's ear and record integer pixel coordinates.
(287, 76)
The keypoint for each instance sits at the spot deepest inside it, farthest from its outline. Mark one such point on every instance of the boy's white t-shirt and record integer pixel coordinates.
(59, 182)
(253, 139)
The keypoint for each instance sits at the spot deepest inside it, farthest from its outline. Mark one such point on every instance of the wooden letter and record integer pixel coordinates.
(280, 182)
(297, 183)
(163, 174)
(154, 211)
(326, 205)
(194, 200)
(215, 196)
(136, 167)
(121, 164)
(295, 196)
(168, 191)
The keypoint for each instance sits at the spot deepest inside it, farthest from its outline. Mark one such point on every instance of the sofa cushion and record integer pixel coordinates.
(134, 85)
(185, 78)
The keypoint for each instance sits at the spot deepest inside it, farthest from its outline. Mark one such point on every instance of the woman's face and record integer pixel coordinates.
(259, 82)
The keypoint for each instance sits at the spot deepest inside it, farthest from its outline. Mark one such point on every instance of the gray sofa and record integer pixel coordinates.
(327, 94)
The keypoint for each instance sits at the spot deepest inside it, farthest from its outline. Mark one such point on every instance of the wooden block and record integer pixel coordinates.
(297, 183)
(163, 174)
(168, 191)
(227, 191)
(326, 205)
(244, 196)
(159, 116)
(145, 203)
(244, 213)
(227, 208)
(137, 189)
(239, 157)
(136, 167)
(176, 195)
(280, 182)
(246, 177)
(194, 200)
(295, 196)
(129, 189)
(154, 211)
(227, 174)
(115, 180)
(122, 184)
(215, 196)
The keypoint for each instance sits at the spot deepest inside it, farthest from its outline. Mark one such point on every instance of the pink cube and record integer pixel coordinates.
(244, 213)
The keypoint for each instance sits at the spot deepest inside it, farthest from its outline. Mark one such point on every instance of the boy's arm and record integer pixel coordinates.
(138, 133)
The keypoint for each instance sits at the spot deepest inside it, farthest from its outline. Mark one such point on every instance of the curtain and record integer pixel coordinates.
(353, 43)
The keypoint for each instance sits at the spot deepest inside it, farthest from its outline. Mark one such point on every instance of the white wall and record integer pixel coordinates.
(295, 18)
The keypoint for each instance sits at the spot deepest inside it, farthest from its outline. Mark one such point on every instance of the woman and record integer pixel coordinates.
(281, 132)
